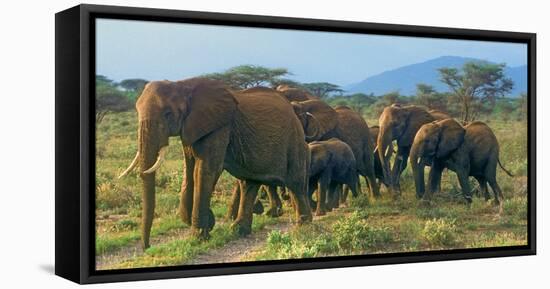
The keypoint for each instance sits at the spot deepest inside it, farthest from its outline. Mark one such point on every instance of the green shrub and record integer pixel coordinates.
(354, 233)
(360, 202)
(109, 196)
(124, 225)
(440, 232)
(283, 246)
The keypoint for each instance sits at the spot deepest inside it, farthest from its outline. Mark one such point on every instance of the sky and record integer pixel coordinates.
(173, 51)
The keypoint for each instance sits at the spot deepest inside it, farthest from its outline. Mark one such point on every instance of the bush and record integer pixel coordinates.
(354, 233)
(283, 246)
(124, 225)
(440, 232)
(109, 196)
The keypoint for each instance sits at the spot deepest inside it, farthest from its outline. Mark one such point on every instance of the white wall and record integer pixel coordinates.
(27, 142)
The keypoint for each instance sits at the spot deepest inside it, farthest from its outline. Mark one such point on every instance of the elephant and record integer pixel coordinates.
(332, 165)
(253, 134)
(374, 131)
(275, 203)
(322, 122)
(472, 150)
(400, 123)
(295, 94)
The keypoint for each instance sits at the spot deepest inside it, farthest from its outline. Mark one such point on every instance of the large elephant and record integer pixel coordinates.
(322, 122)
(400, 123)
(253, 134)
(332, 164)
(469, 151)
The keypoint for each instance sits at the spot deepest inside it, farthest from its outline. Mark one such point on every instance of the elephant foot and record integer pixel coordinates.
(496, 202)
(320, 212)
(312, 204)
(145, 245)
(258, 208)
(274, 212)
(241, 228)
(185, 216)
(305, 219)
(202, 234)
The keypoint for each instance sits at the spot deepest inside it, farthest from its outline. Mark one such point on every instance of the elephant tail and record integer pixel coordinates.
(505, 170)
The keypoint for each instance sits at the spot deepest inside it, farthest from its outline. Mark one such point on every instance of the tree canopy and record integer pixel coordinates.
(134, 84)
(476, 86)
(322, 89)
(246, 76)
(109, 98)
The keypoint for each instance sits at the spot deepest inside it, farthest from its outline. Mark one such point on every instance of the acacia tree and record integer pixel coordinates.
(476, 86)
(358, 101)
(322, 89)
(246, 76)
(134, 85)
(109, 98)
(427, 95)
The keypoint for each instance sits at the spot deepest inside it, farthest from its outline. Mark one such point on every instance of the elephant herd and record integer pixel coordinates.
(288, 138)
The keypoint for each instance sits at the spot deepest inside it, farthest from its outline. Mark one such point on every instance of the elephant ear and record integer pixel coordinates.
(210, 106)
(414, 117)
(322, 117)
(451, 136)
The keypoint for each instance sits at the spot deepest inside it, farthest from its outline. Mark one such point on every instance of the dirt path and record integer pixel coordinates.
(238, 249)
(230, 252)
(135, 250)
(234, 251)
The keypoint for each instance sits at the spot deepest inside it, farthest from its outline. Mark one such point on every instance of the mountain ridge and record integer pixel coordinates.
(405, 78)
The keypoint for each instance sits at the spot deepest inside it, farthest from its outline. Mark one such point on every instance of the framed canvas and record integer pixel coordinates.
(196, 144)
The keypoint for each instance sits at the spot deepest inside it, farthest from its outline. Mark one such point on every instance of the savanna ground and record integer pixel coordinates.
(362, 226)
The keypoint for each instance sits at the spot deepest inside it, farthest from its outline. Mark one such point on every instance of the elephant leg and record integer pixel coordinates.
(235, 200)
(434, 179)
(312, 187)
(344, 193)
(483, 187)
(322, 195)
(210, 155)
(284, 194)
(258, 208)
(186, 194)
(275, 204)
(373, 185)
(243, 223)
(334, 192)
(496, 190)
(465, 185)
(398, 167)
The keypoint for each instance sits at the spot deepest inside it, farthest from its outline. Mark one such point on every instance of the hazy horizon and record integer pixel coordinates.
(156, 50)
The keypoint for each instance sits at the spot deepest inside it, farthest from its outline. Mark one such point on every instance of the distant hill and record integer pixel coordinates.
(404, 79)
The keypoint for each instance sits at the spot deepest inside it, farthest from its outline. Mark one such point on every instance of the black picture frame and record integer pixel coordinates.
(75, 141)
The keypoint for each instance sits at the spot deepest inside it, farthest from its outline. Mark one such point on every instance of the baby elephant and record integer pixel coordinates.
(468, 151)
(332, 165)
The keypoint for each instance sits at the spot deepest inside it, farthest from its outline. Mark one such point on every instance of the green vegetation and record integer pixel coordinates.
(362, 226)
(440, 232)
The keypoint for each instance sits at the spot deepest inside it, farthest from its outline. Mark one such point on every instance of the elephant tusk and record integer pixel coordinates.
(419, 161)
(131, 167)
(375, 149)
(160, 160)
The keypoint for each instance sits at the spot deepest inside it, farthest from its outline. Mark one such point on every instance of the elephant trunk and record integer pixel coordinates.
(417, 165)
(147, 151)
(312, 128)
(383, 145)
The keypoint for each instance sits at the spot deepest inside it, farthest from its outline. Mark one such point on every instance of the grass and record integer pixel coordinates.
(363, 226)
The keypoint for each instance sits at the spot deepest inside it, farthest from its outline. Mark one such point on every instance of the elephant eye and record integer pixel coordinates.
(167, 114)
